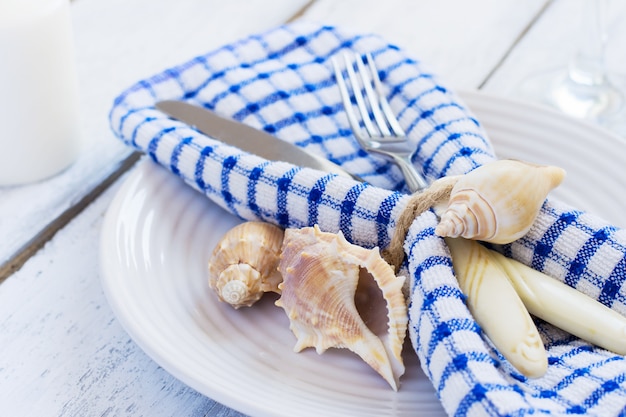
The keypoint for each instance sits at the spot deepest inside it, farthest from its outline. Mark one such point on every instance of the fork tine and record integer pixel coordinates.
(384, 104)
(358, 96)
(363, 82)
(347, 104)
(371, 96)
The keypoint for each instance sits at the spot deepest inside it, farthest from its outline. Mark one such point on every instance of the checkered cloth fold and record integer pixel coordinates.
(281, 81)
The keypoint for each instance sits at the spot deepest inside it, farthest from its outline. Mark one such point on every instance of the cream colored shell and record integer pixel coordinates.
(496, 306)
(341, 295)
(244, 263)
(498, 202)
(565, 307)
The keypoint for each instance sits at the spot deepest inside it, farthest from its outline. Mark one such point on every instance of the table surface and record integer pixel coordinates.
(62, 350)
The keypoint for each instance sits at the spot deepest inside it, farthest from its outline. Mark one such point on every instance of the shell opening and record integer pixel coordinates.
(337, 294)
(374, 310)
(369, 302)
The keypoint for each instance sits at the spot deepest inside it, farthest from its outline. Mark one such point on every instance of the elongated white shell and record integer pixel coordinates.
(498, 202)
(340, 295)
(244, 264)
(563, 306)
(497, 307)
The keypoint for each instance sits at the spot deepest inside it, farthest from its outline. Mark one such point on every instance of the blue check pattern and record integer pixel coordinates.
(281, 81)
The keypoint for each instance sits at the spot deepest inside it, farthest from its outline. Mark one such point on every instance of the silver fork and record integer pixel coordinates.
(383, 134)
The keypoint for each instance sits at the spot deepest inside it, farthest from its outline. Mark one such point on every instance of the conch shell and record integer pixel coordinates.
(498, 202)
(341, 295)
(244, 264)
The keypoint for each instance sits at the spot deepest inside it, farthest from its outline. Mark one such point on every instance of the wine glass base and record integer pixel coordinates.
(603, 103)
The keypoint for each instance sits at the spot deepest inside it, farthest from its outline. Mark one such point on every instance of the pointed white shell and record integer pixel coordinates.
(497, 307)
(244, 263)
(327, 283)
(565, 307)
(498, 202)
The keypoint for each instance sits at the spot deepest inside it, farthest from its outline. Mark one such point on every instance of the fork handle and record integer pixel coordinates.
(414, 181)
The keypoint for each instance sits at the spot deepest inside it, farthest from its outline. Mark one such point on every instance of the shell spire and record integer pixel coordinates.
(498, 202)
(244, 264)
(327, 284)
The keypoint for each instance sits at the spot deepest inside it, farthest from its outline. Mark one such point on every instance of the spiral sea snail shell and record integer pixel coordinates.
(498, 202)
(244, 264)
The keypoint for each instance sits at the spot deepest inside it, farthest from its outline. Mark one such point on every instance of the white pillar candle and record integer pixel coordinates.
(39, 134)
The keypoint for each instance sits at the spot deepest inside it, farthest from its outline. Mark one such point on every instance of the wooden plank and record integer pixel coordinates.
(63, 353)
(460, 41)
(554, 40)
(118, 43)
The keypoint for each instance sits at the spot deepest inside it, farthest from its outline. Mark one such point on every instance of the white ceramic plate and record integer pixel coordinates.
(159, 233)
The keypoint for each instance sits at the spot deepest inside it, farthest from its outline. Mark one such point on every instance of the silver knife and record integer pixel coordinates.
(245, 137)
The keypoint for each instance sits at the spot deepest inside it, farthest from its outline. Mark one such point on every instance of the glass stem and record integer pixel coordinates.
(587, 67)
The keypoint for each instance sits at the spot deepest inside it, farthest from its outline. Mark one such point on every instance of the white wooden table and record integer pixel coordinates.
(62, 351)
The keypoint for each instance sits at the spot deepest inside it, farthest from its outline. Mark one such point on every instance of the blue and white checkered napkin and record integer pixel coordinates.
(281, 81)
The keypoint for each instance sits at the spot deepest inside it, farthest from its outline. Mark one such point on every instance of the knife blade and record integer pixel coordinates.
(246, 137)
